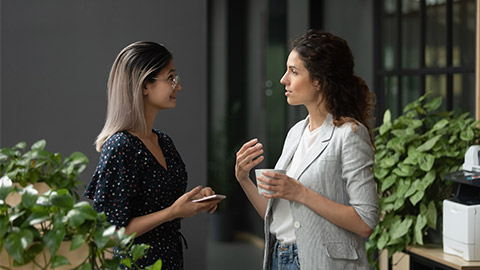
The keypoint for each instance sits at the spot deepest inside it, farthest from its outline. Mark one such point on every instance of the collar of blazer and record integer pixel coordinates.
(317, 149)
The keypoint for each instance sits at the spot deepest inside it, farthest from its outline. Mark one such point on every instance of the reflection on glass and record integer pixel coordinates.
(389, 38)
(437, 86)
(391, 95)
(463, 32)
(410, 34)
(435, 49)
(410, 89)
(463, 93)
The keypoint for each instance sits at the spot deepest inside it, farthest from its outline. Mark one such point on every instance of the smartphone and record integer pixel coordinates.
(210, 198)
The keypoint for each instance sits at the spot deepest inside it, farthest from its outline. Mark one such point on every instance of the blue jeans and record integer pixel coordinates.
(285, 257)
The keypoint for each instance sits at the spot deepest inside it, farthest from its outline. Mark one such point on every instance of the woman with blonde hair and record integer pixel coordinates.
(140, 179)
(321, 211)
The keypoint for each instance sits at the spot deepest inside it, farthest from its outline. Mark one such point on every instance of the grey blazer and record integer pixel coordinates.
(340, 169)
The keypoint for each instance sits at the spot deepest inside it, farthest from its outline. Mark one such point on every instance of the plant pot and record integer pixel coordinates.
(14, 198)
(76, 258)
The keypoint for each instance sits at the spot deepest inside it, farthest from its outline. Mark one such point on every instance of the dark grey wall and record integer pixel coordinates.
(55, 59)
(353, 21)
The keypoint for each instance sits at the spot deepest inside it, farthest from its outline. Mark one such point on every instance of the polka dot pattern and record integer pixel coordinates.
(129, 182)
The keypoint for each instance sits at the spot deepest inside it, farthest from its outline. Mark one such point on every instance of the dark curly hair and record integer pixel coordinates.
(329, 61)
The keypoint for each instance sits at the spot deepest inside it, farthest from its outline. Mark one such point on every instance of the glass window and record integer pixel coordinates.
(464, 32)
(391, 95)
(463, 92)
(437, 84)
(411, 88)
(389, 38)
(410, 34)
(435, 47)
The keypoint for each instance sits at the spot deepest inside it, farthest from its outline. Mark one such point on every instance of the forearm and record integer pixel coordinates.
(257, 200)
(143, 224)
(341, 215)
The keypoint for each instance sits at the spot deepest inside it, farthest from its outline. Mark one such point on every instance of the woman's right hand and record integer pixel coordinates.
(184, 207)
(248, 157)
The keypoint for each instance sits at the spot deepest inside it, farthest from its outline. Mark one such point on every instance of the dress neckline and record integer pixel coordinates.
(145, 148)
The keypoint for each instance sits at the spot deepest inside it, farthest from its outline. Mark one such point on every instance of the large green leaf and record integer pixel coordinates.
(426, 162)
(53, 238)
(39, 145)
(467, 134)
(3, 225)
(99, 238)
(427, 180)
(16, 242)
(75, 218)
(400, 229)
(414, 199)
(429, 144)
(58, 261)
(412, 189)
(389, 181)
(29, 196)
(156, 266)
(433, 104)
(87, 211)
(77, 241)
(32, 251)
(62, 200)
(431, 215)
(138, 251)
(419, 225)
(440, 124)
(398, 203)
(5, 187)
(36, 217)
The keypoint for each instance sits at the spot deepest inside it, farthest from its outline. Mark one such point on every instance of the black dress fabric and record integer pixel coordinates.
(129, 182)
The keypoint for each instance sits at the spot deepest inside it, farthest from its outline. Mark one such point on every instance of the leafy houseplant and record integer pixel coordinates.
(33, 230)
(414, 152)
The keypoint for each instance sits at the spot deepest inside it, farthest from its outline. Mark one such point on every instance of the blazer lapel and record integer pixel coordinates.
(319, 146)
(291, 146)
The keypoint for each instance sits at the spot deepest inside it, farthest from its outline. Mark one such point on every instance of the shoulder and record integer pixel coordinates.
(163, 136)
(121, 140)
(352, 127)
(353, 132)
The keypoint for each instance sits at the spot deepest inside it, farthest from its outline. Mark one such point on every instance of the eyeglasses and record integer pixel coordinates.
(173, 80)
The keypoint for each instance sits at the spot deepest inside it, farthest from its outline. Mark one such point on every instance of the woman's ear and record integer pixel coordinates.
(316, 85)
(145, 90)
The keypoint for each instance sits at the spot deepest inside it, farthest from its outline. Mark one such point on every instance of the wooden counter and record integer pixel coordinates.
(435, 254)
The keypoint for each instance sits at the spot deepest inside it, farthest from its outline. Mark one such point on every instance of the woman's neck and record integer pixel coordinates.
(316, 116)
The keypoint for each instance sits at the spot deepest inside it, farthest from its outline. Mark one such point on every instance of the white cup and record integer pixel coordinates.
(258, 172)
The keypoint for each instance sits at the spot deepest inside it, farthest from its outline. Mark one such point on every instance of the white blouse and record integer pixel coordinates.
(282, 222)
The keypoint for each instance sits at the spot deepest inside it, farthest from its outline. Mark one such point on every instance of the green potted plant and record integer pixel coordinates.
(413, 154)
(33, 229)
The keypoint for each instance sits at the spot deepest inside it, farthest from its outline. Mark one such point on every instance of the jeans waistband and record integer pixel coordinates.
(289, 250)
(284, 247)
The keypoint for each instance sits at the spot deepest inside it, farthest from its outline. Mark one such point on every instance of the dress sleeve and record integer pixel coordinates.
(357, 170)
(113, 184)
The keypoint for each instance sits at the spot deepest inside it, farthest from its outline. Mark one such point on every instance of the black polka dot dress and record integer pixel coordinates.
(129, 182)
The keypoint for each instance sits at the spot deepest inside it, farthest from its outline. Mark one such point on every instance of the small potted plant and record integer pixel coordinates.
(33, 229)
(413, 154)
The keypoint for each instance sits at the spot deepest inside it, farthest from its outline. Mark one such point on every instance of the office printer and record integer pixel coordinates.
(461, 213)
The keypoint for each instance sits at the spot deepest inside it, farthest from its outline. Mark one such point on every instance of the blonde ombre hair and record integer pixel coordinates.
(134, 66)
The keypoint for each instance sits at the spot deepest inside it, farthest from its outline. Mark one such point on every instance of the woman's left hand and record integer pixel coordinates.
(282, 185)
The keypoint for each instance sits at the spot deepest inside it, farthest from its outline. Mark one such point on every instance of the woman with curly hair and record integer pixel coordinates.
(321, 211)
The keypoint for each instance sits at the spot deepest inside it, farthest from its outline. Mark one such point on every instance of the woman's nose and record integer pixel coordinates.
(283, 80)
